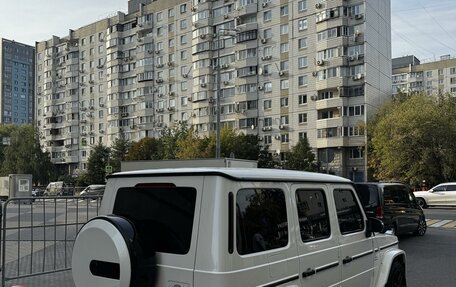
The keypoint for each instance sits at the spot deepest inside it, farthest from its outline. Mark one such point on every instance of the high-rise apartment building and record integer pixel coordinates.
(432, 78)
(280, 69)
(17, 82)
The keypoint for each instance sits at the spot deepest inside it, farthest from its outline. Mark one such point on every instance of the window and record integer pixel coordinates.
(302, 62)
(261, 220)
(172, 213)
(313, 215)
(284, 48)
(284, 138)
(284, 102)
(429, 74)
(302, 5)
(267, 104)
(302, 43)
(183, 24)
(302, 24)
(183, 8)
(183, 39)
(267, 16)
(267, 33)
(284, 11)
(302, 118)
(348, 212)
(283, 29)
(302, 99)
(303, 81)
(284, 84)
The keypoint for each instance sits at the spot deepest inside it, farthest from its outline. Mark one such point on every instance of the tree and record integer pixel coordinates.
(146, 149)
(25, 155)
(171, 137)
(119, 151)
(266, 160)
(191, 146)
(96, 164)
(301, 157)
(414, 139)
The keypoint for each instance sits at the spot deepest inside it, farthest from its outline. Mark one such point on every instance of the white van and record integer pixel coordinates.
(209, 227)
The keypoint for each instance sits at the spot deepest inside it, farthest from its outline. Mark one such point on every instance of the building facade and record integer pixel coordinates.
(17, 82)
(280, 69)
(432, 78)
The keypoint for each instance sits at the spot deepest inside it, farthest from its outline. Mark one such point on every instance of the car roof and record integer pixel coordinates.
(241, 174)
(380, 183)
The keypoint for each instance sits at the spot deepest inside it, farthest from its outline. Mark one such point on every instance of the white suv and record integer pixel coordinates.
(442, 194)
(234, 227)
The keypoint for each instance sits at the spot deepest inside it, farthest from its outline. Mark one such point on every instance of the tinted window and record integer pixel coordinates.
(451, 187)
(313, 215)
(163, 216)
(440, 188)
(261, 220)
(368, 194)
(348, 212)
(396, 194)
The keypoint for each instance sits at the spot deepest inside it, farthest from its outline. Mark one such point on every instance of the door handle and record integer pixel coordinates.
(347, 259)
(308, 272)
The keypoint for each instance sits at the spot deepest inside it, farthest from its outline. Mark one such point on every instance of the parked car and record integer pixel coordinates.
(442, 194)
(37, 191)
(395, 204)
(93, 189)
(234, 227)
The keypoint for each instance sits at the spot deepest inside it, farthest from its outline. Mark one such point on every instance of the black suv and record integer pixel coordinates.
(395, 204)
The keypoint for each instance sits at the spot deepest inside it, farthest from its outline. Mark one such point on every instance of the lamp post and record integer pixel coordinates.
(231, 33)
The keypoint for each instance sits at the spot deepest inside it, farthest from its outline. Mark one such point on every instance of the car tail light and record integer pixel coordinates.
(379, 212)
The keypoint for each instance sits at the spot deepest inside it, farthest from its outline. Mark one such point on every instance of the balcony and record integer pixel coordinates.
(329, 103)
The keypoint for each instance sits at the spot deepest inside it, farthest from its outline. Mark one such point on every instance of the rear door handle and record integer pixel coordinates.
(308, 272)
(347, 259)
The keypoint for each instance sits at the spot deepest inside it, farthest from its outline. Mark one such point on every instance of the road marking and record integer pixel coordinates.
(440, 223)
(450, 225)
(431, 221)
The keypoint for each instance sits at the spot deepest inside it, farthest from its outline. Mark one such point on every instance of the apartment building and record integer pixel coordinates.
(17, 82)
(279, 69)
(432, 78)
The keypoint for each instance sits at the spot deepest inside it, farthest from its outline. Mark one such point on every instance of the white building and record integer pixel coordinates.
(288, 69)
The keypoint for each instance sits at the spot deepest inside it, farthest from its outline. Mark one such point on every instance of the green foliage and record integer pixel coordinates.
(301, 157)
(25, 154)
(266, 160)
(146, 149)
(119, 151)
(414, 139)
(96, 164)
(170, 139)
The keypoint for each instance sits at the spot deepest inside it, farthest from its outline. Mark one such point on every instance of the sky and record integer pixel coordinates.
(424, 28)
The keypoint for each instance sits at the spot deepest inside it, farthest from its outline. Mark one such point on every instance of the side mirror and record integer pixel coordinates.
(373, 225)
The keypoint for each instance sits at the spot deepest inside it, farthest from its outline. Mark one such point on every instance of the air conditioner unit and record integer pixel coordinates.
(264, 4)
(159, 80)
(132, 127)
(193, 9)
(318, 5)
(101, 105)
(83, 108)
(159, 110)
(124, 115)
(170, 64)
(171, 94)
(225, 66)
(314, 98)
(170, 108)
(226, 82)
(157, 51)
(184, 76)
(268, 128)
(91, 108)
(320, 63)
(277, 137)
(83, 134)
(314, 73)
(264, 41)
(211, 100)
(260, 138)
(358, 77)
(203, 85)
(83, 121)
(139, 39)
(91, 82)
(260, 88)
(159, 124)
(225, 16)
(281, 73)
(282, 127)
(358, 16)
(158, 65)
(101, 131)
(160, 95)
(149, 51)
(202, 36)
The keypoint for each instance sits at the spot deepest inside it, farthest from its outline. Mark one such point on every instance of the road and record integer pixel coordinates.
(431, 258)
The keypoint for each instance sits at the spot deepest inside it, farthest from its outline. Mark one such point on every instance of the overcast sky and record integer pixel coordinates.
(424, 28)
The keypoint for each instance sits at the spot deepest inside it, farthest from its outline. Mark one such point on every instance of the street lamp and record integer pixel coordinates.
(230, 33)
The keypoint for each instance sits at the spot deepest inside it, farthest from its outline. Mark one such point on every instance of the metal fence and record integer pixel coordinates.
(38, 233)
